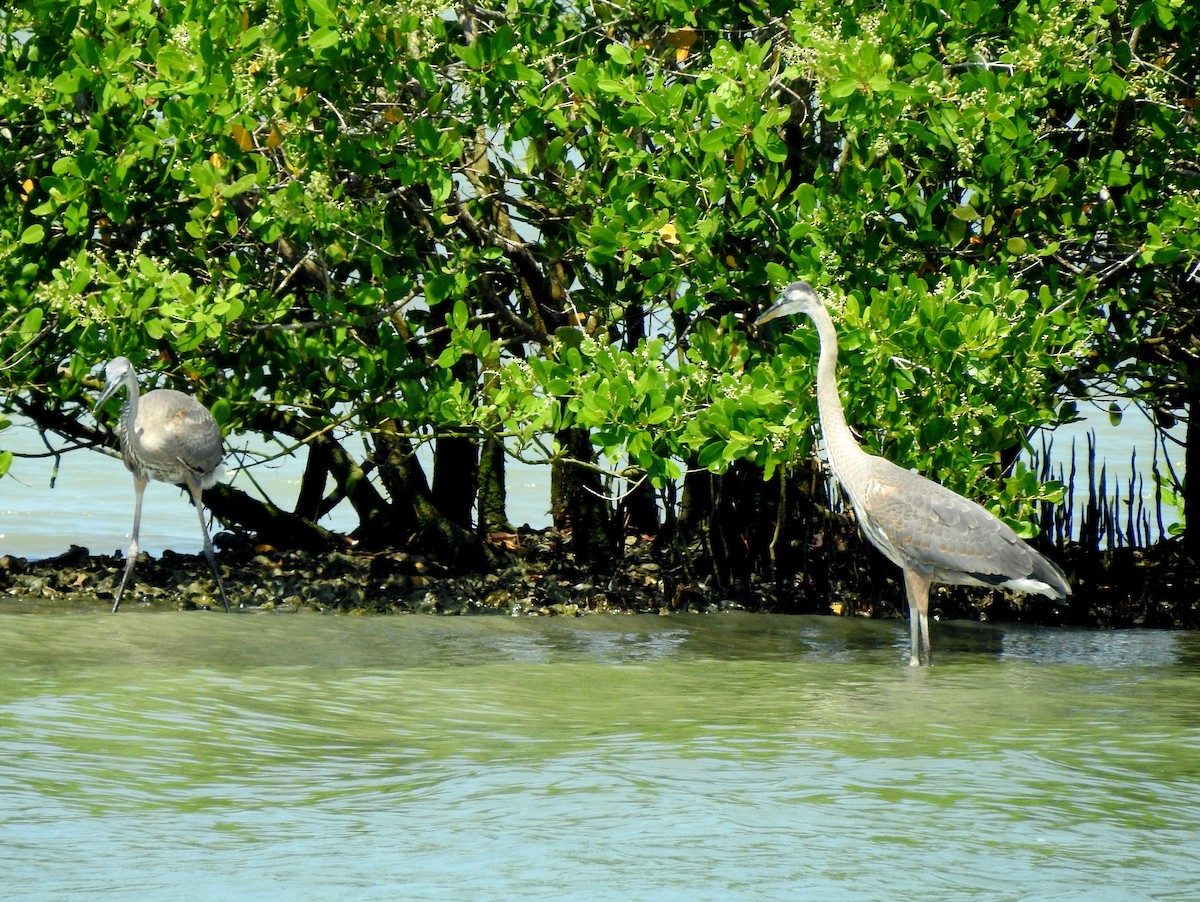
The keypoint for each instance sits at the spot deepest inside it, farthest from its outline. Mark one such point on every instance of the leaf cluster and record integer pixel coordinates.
(375, 219)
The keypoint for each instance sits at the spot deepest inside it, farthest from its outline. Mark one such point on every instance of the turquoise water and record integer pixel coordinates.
(299, 756)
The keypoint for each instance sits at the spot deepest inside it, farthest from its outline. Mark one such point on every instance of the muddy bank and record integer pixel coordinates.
(540, 576)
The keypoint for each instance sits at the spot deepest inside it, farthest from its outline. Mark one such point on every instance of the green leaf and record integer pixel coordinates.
(719, 139)
(620, 53)
(323, 39)
(324, 15)
(806, 198)
(1060, 178)
(613, 86)
(34, 234)
(778, 275)
(67, 83)
(711, 454)
(660, 415)
(221, 410)
(470, 54)
(1114, 86)
(569, 336)
(843, 88)
(173, 65)
(32, 323)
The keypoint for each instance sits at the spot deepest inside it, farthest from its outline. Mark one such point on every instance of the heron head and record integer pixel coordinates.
(798, 297)
(118, 371)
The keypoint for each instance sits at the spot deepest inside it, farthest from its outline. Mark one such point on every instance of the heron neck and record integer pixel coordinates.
(129, 412)
(841, 447)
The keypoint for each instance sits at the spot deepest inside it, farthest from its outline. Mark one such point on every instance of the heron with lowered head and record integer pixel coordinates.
(932, 533)
(168, 436)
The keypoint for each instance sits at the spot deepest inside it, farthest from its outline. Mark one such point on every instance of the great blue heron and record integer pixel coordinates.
(933, 534)
(168, 436)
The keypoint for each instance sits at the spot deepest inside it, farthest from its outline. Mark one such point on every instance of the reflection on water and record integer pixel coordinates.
(313, 757)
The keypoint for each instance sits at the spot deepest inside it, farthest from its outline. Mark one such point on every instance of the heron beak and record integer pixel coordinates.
(109, 390)
(780, 309)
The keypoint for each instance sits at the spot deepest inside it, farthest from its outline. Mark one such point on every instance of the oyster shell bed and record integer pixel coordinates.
(539, 575)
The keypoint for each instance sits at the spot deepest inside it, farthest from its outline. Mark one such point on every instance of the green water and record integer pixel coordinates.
(198, 756)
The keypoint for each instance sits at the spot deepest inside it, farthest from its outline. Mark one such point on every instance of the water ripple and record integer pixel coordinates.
(701, 758)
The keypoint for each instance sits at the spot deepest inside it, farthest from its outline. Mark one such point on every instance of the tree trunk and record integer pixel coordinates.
(312, 483)
(406, 486)
(577, 500)
(697, 518)
(748, 526)
(455, 477)
(638, 511)
(350, 480)
(352, 483)
(235, 508)
(491, 489)
(413, 519)
(1191, 480)
(493, 493)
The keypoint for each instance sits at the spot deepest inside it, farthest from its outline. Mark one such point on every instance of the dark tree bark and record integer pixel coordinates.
(455, 478)
(750, 526)
(312, 484)
(577, 500)
(493, 493)
(331, 459)
(413, 519)
(638, 512)
(1191, 479)
(270, 524)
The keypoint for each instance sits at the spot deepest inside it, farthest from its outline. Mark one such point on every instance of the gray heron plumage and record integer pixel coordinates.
(932, 533)
(168, 436)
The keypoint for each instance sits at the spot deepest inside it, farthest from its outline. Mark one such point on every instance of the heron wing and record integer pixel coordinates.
(175, 429)
(936, 530)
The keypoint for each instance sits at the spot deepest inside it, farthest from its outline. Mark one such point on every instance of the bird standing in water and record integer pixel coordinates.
(168, 436)
(933, 534)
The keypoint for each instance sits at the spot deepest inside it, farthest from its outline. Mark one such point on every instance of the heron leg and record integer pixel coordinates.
(916, 586)
(194, 488)
(139, 487)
